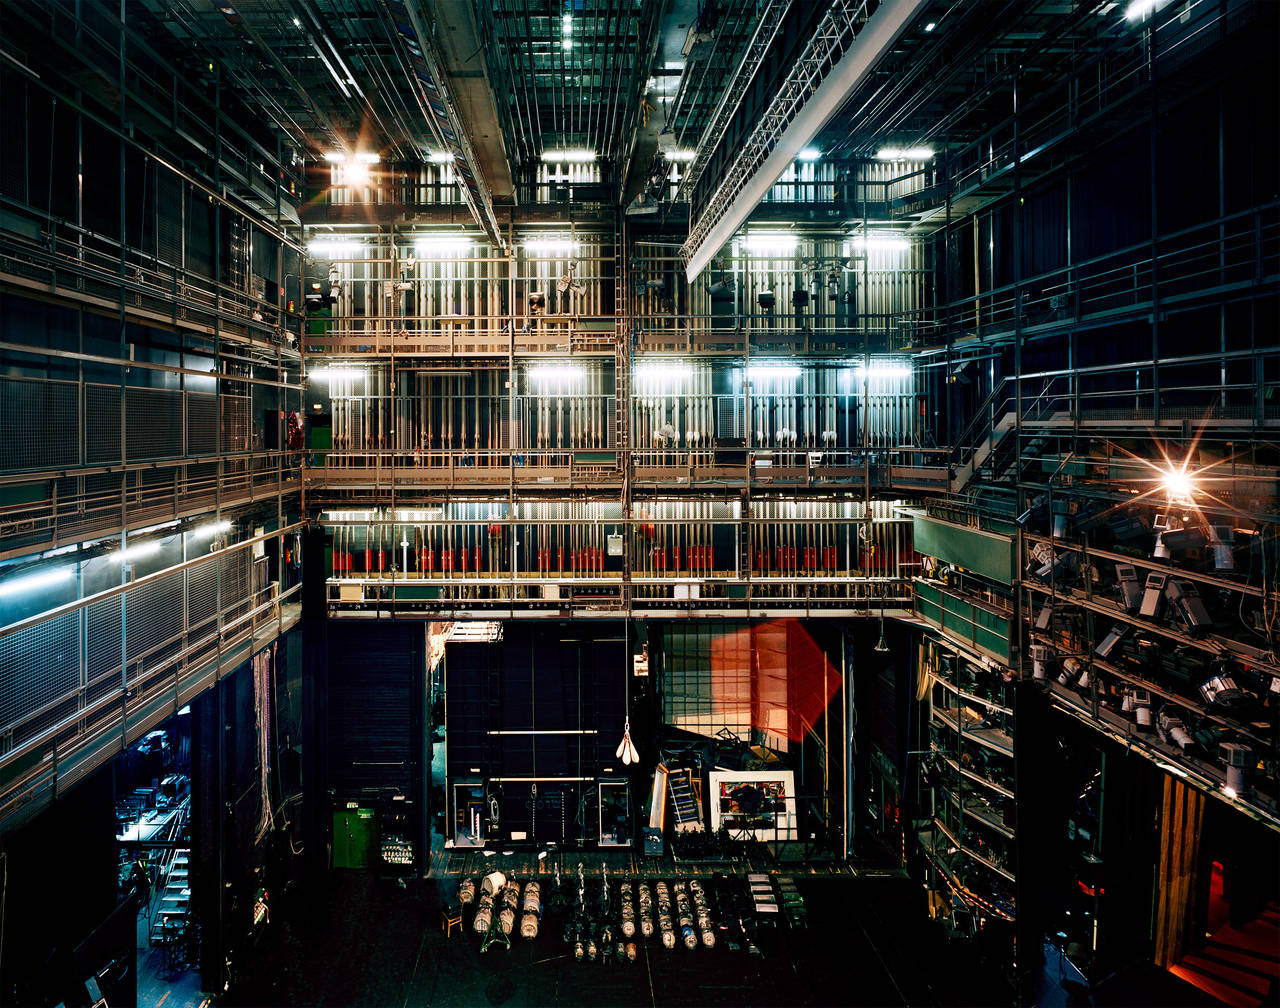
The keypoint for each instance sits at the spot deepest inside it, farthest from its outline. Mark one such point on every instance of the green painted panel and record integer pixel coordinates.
(983, 553)
(24, 493)
(355, 834)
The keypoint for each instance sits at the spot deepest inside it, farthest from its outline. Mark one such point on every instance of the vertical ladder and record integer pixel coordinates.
(238, 254)
(622, 398)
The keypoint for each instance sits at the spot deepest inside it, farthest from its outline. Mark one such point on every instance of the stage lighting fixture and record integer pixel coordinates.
(723, 290)
(766, 300)
(1221, 541)
(537, 302)
(1186, 602)
(1236, 757)
(1111, 641)
(1153, 596)
(799, 298)
(1042, 656)
(1178, 484)
(1071, 669)
(1142, 710)
(1044, 617)
(1128, 588)
(1175, 732)
(1221, 690)
(833, 286)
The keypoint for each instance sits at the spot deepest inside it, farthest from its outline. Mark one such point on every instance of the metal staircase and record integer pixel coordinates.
(687, 807)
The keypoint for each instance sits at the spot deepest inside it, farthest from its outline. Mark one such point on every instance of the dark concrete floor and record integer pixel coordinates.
(368, 941)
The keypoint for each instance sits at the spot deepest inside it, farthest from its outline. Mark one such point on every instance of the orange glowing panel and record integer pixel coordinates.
(790, 679)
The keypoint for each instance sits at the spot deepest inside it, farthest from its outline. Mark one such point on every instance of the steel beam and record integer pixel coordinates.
(846, 46)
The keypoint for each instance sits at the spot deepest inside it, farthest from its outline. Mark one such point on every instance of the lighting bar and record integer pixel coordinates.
(550, 245)
(37, 582)
(336, 247)
(658, 373)
(210, 530)
(904, 154)
(330, 373)
(336, 157)
(809, 154)
(440, 157)
(878, 242)
(548, 373)
(442, 243)
(766, 242)
(1139, 9)
(680, 155)
(770, 370)
(884, 370)
(573, 156)
(136, 552)
(369, 157)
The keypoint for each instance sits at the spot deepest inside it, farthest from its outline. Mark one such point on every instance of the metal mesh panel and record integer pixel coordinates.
(236, 427)
(97, 513)
(235, 583)
(707, 677)
(153, 614)
(38, 665)
(151, 494)
(40, 417)
(102, 423)
(201, 485)
(153, 423)
(202, 423)
(103, 643)
(202, 592)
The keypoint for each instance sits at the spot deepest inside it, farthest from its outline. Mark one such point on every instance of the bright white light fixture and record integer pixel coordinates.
(329, 374)
(878, 243)
(369, 157)
(355, 173)
(571, 156)
(336, 157)
(680, 155)
(1178, 484)
(667, 372)
(931, 26)
(764, 241)
(550, 245)
(1141, 8)
(132, 553)
(441, 244)
(212, 529)
(37, 582)
(547, 374)
(566, 24)
(809, 154)
(440, 157)
(904, 153)
(883, 369)
(765, 370)
(334, 247)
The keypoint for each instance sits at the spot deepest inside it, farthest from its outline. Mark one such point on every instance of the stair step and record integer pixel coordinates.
(1221, 972)
(1223, 992)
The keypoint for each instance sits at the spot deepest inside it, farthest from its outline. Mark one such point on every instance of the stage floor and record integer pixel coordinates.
(360, 939)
